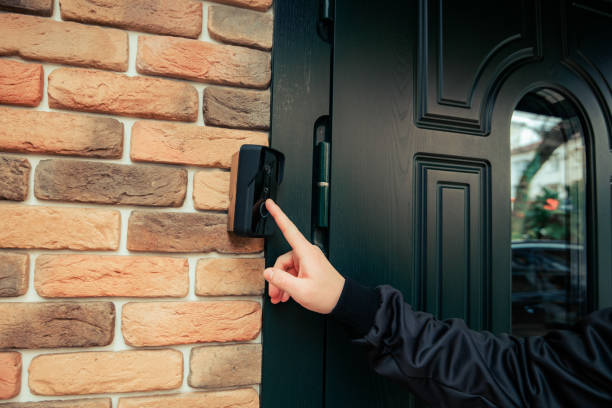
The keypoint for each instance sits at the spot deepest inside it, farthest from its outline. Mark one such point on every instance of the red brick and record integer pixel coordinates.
(211, 190)
(10, 374)
(225, 366)
(236, 108)
(105, 372)
(14, 178)
(43, 39)
(27, 131)
(230, 276)
(24, 226)
(106, 92)
(188, 144)
(71, 403)
(239, 398)
(241, 27)
(166, 323)
(37, 7)
(20, 84)
(261, 5)
(185, 232)
(172, 17)
(98, 275)
(203, 61)
(14, 274)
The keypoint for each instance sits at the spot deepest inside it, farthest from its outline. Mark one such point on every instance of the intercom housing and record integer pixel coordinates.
(255, 175)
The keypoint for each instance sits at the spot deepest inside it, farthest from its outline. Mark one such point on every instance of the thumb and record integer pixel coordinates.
(283, 280)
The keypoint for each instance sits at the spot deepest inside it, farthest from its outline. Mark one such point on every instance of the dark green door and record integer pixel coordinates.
(459, 132)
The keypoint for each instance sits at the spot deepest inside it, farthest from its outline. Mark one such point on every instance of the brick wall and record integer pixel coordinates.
(119, 284)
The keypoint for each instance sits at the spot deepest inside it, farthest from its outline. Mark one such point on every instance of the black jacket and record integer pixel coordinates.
(448, 365)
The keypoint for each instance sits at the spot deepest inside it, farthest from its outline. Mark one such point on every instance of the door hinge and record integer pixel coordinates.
(321, 182)
(325, 27)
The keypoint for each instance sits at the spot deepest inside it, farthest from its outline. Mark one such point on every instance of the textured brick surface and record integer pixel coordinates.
(10, 374)
(239, 398)
(188, 144)
(227, 276)
(105, 183)
(37, 7)
(225, 366)
(60, 133)
(106, 92)
(173, 17)
(43, 39)
(14, 178)
(13, 274)
(203, 61)
(166, 323)
(105, 372)
(67, 324)
(185, 232)
(24, 226)
(211, 190)
(73, 403)
(237, 108)
(98, 275)
(20, 83)
(261, 5)
(241, 27)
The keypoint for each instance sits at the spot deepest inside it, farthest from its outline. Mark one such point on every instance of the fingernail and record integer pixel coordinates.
(268, 274)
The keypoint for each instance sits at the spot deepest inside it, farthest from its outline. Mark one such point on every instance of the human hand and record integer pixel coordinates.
(304, 273)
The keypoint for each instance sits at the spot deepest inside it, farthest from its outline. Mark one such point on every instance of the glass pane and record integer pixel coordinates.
(548, 195)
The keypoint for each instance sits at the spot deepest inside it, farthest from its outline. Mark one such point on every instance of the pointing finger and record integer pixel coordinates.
(292, 234)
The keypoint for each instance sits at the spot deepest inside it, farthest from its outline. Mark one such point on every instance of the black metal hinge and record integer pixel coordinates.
(325, 28)
(321, 182)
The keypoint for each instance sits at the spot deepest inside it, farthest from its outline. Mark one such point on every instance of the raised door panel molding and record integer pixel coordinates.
(465, 51)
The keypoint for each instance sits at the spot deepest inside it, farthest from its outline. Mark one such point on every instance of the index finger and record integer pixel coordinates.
(292, 234)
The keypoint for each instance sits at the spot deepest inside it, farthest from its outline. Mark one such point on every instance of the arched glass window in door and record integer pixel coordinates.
(548, 193)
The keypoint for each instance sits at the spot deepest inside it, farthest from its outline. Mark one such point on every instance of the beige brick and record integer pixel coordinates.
(203, 61)
(25, 226)
(188, 144)
(185, 232)
(14, 178)
(37, 7)
(225, 366)
(105, 372)
(13, 274)
(261, 5)
(172, 17)
(166, 323)
(72, 403)
(20, 83)
(230, 276)
(238, 398)
(66, 324)
(105, 92)
(211, 190)
(10, 374)
(44, 39)
(109, 183)
(236, 108)
(60, 133)
(241, 27)
(98, 275)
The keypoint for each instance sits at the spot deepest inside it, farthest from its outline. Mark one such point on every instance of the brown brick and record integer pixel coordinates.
(20, 83)
(10, 374)
(23, 226)
(203, 61)
(37, 7)
(241, 27)
(211, 190)
(14, 178)
(98, 91)
(67, 324)
(188, 144)
(230, 276)
(166, 323)
(60, 133)
(98, 275)
(237, 108)
(225, 366)
(105, 372)
(43, 39)
(172, 17)
(73, 403)
(13, 274)
(106, 183)
(261, 5)
(185, 232)
(239, 398)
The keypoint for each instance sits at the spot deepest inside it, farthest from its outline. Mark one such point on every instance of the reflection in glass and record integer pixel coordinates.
(548, 194)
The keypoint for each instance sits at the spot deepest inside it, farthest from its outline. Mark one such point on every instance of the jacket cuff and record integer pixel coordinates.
(356, 307)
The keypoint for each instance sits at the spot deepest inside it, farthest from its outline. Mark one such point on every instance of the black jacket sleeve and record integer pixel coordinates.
(448, 365)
